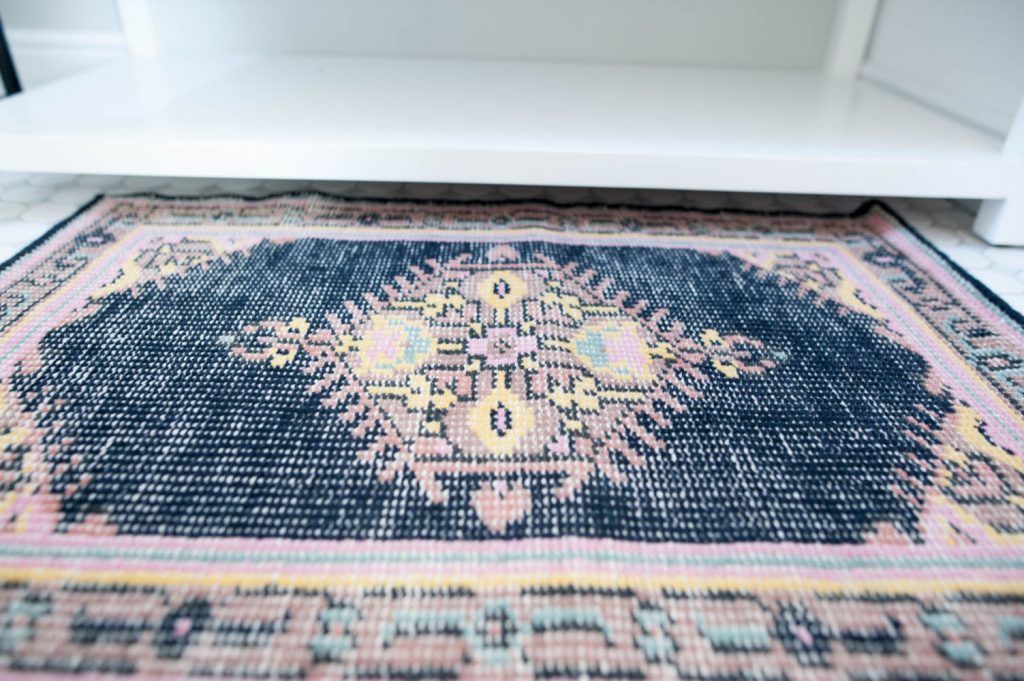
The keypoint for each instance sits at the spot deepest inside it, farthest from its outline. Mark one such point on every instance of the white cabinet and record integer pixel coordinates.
(778, 95)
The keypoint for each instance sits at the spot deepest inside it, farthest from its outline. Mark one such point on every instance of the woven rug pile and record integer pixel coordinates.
(310, 437)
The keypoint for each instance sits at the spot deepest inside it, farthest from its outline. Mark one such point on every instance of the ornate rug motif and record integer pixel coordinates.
(485, 369)
(309, 437)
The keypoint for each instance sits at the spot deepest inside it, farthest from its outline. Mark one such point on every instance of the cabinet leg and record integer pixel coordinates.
(8, 74)
(1001, 221)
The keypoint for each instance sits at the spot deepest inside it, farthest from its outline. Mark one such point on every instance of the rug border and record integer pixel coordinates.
(864, 208)
(947, 260)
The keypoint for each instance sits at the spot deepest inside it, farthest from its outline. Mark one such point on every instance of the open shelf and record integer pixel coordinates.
(309, 117)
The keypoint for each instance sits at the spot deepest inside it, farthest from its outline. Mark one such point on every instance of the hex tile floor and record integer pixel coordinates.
(31, 203)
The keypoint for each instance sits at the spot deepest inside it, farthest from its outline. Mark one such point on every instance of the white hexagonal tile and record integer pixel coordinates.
(968, 257)
(1003, 269)
(102, 182)
(75, 194)
(949, 211)
(999, 282)
(26, 193)
(1015, 301)
(51, 179)
(229, 186)
(142, 183)
(967, 237)
(1010, 257)
(943, 238)
(13, 178)
(187, 185)
(22, 233)
(7, 252)
(52, 212)
(9, 209)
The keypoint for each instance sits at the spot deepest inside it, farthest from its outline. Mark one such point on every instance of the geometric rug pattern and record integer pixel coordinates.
(304, 436)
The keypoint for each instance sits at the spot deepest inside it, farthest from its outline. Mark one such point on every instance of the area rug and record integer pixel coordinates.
(309, 437)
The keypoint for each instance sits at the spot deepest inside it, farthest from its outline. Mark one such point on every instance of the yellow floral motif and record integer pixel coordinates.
(501, 419)
(26, 480)
(284, 354)
(571, 305)
(502, 289)
(129, 276)
(711, 338)
(418, 394)
(157, 263)
(587, 396)
(434, 305)
(966, 449)
(969, 428)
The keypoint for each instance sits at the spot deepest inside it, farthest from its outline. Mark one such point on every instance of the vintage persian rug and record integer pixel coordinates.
(309, 437)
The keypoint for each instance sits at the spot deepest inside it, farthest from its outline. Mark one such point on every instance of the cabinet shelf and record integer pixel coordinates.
(434, 120)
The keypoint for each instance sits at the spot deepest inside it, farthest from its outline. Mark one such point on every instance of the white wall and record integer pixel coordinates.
(963, 56)
(777, 33)
(51, 39)
(751, 33)
(79, 15)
